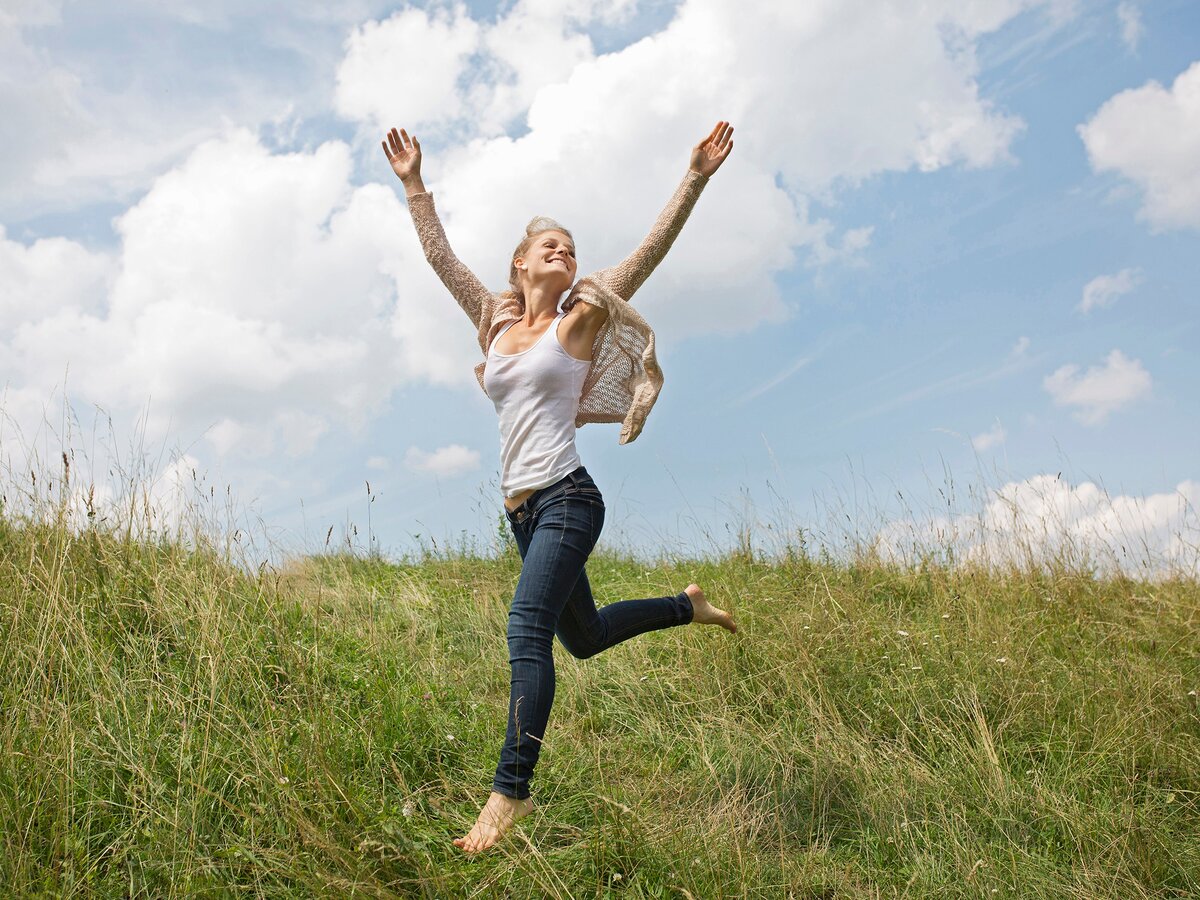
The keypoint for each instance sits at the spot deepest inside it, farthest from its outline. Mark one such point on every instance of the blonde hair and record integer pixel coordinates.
(537, 225)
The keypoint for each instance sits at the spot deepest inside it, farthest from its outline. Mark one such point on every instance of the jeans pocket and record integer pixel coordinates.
(586, 490)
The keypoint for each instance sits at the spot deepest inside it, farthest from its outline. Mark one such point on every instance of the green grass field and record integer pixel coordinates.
(176, 725)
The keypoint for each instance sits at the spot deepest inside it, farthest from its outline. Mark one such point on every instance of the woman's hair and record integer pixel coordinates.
(537, 225)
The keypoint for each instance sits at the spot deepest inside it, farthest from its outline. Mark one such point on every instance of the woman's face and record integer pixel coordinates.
(550, 260)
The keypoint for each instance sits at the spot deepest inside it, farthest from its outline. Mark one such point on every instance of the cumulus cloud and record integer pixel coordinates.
(1044, 520)
(407, 68)
(1020, 347)
(1130, 17)
(1151, 136)
(47, 278)
(1101, 390)
(261, 298)
(990, 438)
(445, 461)
(256, 295)
(1103, 290)
(820, 100)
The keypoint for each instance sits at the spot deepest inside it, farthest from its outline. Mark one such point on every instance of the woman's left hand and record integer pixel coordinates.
(708, 155)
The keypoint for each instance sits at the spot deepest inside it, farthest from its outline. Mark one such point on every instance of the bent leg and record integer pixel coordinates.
(585, 631)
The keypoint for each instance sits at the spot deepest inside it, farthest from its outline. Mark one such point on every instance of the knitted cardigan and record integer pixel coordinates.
(624, 378)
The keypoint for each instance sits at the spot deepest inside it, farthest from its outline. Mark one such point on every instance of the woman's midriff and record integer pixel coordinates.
(513, 502)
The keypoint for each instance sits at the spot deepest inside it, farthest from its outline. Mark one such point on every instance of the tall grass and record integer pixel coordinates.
(178, 722)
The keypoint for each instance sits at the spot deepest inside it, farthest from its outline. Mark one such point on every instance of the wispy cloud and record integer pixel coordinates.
(990, 438)
(1103, 290)
(1130, 17)
(775, 381)
(952, 384)
(445, 461)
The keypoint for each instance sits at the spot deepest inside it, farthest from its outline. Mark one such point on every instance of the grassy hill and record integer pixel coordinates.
(175, 725)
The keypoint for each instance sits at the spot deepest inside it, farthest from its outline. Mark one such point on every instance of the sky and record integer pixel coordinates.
(941, 295)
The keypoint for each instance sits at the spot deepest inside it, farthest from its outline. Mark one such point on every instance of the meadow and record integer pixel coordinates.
(178, 723)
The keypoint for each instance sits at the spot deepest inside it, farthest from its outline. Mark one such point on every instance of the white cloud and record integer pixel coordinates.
(1103, 290)
(30, 12)
(1043, 520)
(445, 461)
(89, 120)
(826, 94)
(1101, 390)
(49, 277)
(990, 438)
(1130, 17)
(1151, 135)
(406, 68)
(257, 296)
(261, 299)
(1020, 347)
(378, 463)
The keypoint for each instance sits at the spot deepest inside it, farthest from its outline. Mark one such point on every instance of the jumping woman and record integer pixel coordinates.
(550, 365)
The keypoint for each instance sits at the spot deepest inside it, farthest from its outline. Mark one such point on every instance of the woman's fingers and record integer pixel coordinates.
(718, 137)
(399, 143)
(725, 135)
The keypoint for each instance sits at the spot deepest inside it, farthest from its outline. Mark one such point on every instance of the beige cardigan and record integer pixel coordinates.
(624, 379)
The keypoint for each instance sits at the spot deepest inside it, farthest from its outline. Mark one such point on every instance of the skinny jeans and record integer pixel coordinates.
(556, 529)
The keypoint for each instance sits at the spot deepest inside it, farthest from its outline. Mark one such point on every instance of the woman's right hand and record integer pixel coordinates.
(404, 153)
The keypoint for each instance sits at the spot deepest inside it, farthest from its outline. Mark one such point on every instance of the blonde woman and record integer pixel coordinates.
(550, 365)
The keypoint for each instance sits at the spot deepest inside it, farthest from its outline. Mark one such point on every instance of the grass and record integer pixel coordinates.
(176, 725)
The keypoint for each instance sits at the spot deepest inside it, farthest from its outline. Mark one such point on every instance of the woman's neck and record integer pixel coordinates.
(540, 303)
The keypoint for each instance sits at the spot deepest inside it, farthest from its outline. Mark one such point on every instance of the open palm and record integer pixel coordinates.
(708, 155)
(404, 153)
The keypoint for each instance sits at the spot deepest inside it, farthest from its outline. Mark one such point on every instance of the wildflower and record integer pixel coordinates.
(643, 678)
(1002, 659)
(1191, 693)
(283, 779)
(617, 876)
(449, 737)
(945, 615)
(407, 809)
(901, 632)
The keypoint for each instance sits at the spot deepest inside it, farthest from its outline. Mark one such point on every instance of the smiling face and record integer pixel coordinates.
(549, 260)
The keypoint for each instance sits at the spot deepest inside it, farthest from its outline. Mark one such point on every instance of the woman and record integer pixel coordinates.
(549, 368)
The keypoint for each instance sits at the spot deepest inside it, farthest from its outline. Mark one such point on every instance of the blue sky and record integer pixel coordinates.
(880, 297)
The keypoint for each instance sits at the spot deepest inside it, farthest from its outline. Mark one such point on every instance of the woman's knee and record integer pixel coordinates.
(580, 648)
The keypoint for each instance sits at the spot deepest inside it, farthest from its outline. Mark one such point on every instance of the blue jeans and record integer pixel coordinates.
(556, 528)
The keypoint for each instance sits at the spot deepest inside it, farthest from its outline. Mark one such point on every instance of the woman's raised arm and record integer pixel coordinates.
(404, 153)
(706, 158)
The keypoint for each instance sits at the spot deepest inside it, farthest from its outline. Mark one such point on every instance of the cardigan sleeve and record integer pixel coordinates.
(468, 290)
(625, 278)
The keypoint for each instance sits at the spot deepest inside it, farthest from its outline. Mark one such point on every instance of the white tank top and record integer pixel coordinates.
(536, 393)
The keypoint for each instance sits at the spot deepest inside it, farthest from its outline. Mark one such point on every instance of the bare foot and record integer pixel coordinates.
(496, 817)
(704, 613)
